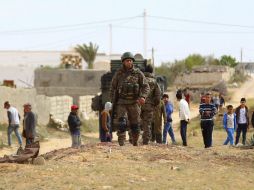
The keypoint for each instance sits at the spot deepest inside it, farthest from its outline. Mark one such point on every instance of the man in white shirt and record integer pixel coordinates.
(14, 121)
(184, 114)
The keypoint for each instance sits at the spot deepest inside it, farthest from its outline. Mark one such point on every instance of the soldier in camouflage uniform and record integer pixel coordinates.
(159, 112)
(128, 92)
(152, 100)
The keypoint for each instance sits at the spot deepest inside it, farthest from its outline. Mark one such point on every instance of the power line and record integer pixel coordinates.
(67, 26)
(199, 22)
(56, 30)
(184, 31)
(64, 41)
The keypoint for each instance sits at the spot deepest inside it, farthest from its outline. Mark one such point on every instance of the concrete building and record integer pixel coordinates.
(20, 65)
(248, 67)
(71, 82)
(204, 76)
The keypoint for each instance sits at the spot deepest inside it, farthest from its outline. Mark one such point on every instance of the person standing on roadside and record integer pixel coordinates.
(229, 124)
(106, 130)
(184, 114)
(29, 124)
(216, 101)
(242, 120)
(168, 129)
(207, 111)
(14, 121)
(222, 102)
(187, 96)
(74, 126)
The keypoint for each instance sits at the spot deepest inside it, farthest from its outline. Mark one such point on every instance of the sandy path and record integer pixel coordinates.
(246, 90)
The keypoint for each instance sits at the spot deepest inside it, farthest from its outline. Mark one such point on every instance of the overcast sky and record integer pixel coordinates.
(175, 29)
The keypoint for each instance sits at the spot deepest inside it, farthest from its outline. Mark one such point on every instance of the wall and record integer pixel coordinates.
(203, 78)
(58, 106)
(41, 105)
(74, 83)
(85, 109)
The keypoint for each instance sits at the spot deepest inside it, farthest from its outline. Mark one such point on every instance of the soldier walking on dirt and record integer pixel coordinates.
(128, 92)
(152, 100)
(159, 112)
(207, 111)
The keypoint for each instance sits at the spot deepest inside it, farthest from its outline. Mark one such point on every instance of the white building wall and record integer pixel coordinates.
(85, 109)
(20, 65)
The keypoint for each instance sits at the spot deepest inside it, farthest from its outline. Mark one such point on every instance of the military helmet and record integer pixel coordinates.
(127, 55)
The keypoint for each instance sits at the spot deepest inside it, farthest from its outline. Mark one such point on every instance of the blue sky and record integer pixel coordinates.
(172, 30)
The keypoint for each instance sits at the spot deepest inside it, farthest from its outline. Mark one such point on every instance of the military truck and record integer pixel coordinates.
(99, 101)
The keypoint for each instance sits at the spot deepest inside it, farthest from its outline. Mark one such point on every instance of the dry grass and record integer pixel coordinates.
(108, 166)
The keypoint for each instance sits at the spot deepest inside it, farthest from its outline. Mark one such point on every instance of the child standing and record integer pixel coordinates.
(106, 130)
(74, 126)
(229, 124)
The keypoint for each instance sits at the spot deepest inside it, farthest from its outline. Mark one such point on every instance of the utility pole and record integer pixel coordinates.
(110, 39)
(242, 60)
(241, 55)
(153, 56)
(145, 33)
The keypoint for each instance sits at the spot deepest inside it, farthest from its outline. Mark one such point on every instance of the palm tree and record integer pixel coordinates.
(88, 53)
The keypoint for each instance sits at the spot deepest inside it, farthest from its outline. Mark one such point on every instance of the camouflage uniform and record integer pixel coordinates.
(126, 88)
(152, 100)
(159, 112)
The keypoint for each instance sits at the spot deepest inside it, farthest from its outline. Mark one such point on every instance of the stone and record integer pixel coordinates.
(175, 168)
(39, 161)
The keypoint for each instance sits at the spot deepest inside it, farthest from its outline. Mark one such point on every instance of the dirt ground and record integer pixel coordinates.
(109, 166)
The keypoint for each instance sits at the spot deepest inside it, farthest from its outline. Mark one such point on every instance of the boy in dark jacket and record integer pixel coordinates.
(242, 120)
(74, 126)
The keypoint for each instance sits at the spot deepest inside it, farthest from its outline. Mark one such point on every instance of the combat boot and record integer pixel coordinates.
(121, 143)
(121, 138)
(158, 138)
(145, 141)
(135, 137)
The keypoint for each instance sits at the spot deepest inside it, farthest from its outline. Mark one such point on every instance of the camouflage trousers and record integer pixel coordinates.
(156, 130)
(146, 121)
(131, 113)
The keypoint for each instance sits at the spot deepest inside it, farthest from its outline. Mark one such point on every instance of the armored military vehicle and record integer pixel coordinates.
(99, 101)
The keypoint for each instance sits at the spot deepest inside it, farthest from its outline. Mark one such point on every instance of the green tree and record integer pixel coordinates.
(88, 53)
(210, 60)
(227, 60)
(194, 60)
(171, 70)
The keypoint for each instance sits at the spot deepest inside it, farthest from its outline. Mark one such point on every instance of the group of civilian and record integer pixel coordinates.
(29, 123)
